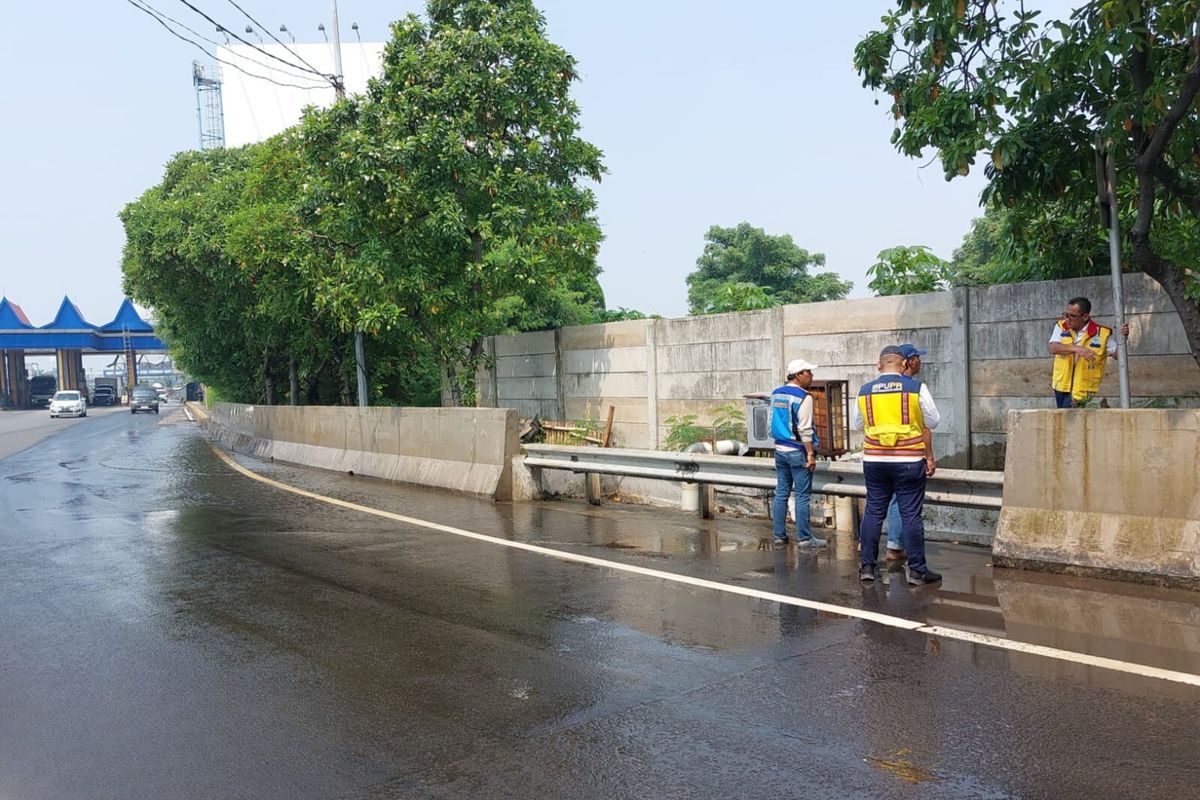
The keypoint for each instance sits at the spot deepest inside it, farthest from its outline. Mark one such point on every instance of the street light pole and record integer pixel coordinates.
(339, 88)
(1106, 185)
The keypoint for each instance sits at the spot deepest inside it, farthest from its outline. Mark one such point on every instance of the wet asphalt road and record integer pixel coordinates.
(169, 628)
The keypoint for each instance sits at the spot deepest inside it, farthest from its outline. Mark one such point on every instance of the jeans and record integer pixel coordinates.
(905, 481)
(895, 528)
(790, 473)
(1063, 399)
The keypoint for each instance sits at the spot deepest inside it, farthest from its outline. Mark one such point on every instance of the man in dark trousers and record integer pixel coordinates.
(795, 452)
(894, 411)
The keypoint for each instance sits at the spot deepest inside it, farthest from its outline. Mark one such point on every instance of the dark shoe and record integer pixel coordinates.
(922, 578)
(867, 574)
(895, 555)
(781, 542)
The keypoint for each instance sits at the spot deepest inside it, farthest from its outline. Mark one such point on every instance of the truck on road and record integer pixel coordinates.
(42, 389)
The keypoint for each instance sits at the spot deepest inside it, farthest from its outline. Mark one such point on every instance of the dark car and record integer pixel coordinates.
(143, 400)
(104, 396)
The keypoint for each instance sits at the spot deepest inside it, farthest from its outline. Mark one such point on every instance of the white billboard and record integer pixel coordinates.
(262, 96)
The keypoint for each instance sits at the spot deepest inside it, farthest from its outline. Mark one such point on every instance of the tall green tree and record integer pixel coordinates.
(454, 192)
(744, 268)
(1039, 242)
(995, 77)
(908, 270)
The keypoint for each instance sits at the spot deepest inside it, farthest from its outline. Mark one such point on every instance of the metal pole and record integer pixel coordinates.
(339, 88)
(1114, 257)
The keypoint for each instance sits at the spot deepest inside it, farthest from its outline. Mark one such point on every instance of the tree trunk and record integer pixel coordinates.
(293, 381)
(268, 382)
(1170, 278)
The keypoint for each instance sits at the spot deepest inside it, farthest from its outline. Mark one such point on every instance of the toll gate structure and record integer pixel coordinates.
(68, 338)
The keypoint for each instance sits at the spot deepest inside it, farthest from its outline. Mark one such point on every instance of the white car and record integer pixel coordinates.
(68, 404)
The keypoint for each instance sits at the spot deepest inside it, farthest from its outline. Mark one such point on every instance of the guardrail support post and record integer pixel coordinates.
(708, 501)
(591, 488)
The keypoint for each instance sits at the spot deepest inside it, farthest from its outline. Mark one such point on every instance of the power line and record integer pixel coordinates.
(246, 14)
(213, 56)
(160, 16)
(254, 46)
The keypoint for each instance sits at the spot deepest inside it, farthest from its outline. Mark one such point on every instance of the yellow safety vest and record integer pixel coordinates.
(1077, 375)
(893, 424)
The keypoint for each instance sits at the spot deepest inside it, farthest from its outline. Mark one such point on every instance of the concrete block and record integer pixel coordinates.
(607, 360)
(1111, 493)
(461, 449)
(912, 311)
(630, 333)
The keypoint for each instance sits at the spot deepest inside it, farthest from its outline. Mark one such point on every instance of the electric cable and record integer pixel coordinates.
(214, 57)
(300, 58)
(252, 45)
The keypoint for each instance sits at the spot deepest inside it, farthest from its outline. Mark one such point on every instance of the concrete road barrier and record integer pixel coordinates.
(467, 450)
(1113, 493)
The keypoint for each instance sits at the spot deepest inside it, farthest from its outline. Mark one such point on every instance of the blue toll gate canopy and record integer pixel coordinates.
(70, 331)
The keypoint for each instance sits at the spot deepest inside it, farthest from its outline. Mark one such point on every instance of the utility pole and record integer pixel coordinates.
(1106, 189)
(339, 88)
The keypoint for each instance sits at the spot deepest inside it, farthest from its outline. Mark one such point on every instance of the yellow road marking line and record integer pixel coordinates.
(773, 597)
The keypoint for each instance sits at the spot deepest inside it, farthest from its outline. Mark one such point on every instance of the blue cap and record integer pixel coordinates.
(908, 350)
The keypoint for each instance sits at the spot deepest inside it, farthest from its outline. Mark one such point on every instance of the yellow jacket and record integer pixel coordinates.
(894, 425)
(1075, 374)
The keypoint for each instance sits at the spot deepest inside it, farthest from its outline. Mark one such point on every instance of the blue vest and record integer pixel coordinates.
(785, 406)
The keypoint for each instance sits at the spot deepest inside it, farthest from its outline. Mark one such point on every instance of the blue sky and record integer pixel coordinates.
(708, 113)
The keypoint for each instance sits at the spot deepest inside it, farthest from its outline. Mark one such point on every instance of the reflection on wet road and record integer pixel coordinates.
(170, 628)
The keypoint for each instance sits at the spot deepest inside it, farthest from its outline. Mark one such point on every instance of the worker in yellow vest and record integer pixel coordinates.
(894, 411)
(1081, 348)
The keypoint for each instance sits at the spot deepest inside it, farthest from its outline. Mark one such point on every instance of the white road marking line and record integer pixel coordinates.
(799, 602)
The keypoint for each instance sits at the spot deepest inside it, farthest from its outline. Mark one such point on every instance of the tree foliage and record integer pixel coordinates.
(745, 268)
(1033, 94)
(908, 270)
(447, 203)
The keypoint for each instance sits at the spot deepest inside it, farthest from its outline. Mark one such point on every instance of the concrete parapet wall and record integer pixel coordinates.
(1106, 492)
(461, 449)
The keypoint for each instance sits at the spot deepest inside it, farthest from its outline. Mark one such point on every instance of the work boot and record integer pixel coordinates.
(922, 578)
(867, 574)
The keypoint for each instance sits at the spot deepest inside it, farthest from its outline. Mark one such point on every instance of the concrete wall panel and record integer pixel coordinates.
(1152, 376)
(869, 314)
(527, 388)
(863, 348)
(601, 386)
(1047, 299)
(525, 344)
(631, 333)
(714, 385)
(739, 327)
(1149, 334)
(754, 354)
(538, 366)
(615, 359)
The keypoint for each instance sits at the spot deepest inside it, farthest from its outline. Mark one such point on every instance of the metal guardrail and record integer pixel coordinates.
(950, 487)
